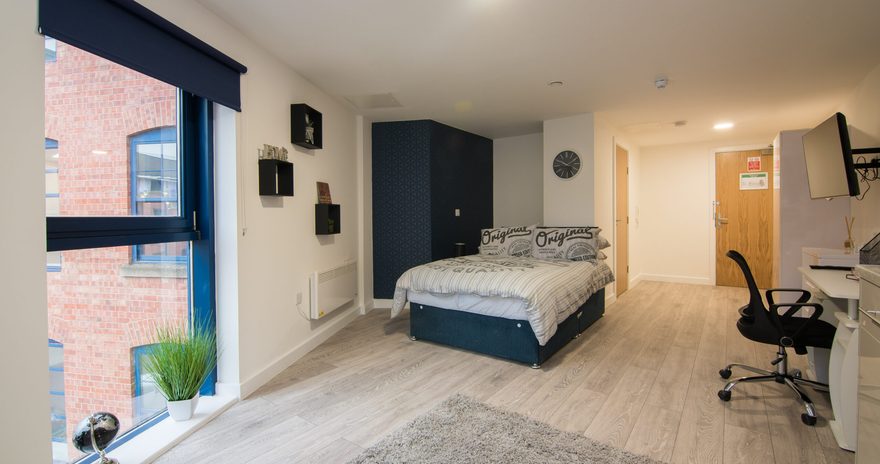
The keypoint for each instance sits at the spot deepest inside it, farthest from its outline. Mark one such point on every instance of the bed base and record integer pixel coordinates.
(496, 336)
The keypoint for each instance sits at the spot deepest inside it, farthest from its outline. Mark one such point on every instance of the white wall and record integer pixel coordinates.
(518, 180)
(862, 113)
(25, 432)
(676, 189)
(277, 246)
(570, 201)
(607, 137)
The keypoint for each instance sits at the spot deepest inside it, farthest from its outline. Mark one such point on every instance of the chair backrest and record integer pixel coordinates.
(754, 292)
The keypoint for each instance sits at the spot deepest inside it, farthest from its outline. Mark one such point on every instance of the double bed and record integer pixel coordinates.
(515, 307)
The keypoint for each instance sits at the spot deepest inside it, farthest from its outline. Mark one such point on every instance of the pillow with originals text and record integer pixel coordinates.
(572, 243)
(509, 241)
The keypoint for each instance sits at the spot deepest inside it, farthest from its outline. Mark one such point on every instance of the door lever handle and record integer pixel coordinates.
(722, 220)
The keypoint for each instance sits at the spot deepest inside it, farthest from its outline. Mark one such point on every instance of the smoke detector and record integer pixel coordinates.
(661, 82)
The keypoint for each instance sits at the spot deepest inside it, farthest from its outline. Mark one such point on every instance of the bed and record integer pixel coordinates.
(515, 307)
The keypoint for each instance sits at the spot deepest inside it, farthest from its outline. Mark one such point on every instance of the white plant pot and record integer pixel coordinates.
(182, 410)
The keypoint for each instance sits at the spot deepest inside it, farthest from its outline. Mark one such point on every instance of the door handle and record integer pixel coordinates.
(722, 220)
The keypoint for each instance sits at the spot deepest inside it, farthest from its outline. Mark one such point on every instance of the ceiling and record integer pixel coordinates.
(484, 65)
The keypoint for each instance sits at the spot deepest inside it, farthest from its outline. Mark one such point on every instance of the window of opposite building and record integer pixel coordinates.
(53, 194)
(154, 188)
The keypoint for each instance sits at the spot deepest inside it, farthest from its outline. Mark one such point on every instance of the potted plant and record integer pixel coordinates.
(179, 362)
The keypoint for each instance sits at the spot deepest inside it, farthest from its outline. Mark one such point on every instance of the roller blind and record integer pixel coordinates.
(128, 33)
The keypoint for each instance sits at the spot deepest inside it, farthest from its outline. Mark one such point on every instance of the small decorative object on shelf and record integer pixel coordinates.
(324, 193)
(95, 433)
(305, 126)
(276, 178)
(272, 152)
(327, 219)
(459, 249)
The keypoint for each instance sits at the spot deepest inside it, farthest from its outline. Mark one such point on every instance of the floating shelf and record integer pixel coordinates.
(276, 178)
(298, 126)
(327, 219)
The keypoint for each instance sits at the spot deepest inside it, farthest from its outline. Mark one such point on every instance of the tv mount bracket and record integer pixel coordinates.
(874, 163)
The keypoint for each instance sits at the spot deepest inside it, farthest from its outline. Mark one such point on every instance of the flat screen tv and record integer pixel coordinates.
(829, 158)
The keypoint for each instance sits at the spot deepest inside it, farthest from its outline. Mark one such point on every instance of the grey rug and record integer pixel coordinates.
(463, 430)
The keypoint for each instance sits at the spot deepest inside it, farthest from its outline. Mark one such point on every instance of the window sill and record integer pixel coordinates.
(155, 270)
(158, 439)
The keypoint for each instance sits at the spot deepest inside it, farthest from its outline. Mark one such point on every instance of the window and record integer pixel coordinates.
(57, 413)
(53, 197)
(148, 401)
(154, 183)
(49, 53)
(134, 167)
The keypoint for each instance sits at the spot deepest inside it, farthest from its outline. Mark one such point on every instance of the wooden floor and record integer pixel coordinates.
(644, 378)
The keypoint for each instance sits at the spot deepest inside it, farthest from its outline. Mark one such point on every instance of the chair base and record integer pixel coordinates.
(782, 375)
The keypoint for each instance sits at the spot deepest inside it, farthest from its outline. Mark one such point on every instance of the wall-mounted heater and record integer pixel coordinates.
(332, 289)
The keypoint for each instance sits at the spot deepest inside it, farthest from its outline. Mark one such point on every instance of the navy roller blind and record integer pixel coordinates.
(127, 33)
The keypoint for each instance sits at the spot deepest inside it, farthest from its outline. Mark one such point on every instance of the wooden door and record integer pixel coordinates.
(743, 215)
(621, 220)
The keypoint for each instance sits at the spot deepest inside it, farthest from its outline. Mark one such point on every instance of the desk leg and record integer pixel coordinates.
(843, 383)
(852, 309)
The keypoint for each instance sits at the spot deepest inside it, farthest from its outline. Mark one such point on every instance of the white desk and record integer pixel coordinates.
(843, 367)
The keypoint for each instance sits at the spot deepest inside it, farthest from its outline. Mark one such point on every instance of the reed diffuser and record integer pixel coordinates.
(848, 243)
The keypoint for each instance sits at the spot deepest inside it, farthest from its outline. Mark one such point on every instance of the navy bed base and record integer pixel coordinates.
(496, 336)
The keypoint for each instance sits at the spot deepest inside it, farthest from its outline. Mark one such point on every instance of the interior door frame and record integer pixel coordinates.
(614, 144)
(712, 194)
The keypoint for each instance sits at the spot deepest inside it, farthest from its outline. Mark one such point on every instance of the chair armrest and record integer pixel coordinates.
(788, 316)
(805, 295)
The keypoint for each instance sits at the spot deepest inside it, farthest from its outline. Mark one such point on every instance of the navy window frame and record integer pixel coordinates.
(158, 135)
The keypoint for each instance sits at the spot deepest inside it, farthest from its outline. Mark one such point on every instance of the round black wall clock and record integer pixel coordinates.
(566, 164)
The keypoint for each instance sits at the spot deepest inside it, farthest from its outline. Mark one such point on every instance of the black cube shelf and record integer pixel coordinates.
(327, 219)
(302, 117)
(276, 178)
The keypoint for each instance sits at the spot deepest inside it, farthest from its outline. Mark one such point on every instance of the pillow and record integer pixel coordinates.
(602, 242)
(510, 241)
(601, 255)
(572, 243)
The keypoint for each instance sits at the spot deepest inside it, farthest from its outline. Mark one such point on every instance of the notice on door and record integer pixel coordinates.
(754, 163)
(753, 181)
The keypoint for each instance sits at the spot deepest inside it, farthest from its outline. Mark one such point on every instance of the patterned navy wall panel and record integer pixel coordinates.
(461, 178)
(401, 201)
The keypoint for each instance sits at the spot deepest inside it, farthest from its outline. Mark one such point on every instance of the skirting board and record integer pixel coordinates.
(676, 279)
(384, 303)
(283, 362)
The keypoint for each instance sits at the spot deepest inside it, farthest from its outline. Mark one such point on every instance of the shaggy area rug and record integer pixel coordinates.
(463, 430)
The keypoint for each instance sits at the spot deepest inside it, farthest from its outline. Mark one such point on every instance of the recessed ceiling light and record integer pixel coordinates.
(723, 125)
(555, 83)
(99, 152)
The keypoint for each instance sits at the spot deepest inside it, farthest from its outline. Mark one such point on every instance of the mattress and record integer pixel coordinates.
(495, 306)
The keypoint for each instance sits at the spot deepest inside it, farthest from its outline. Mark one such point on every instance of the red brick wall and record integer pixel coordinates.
(93, 106)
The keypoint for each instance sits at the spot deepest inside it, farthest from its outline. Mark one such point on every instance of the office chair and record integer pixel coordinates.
(783, 329)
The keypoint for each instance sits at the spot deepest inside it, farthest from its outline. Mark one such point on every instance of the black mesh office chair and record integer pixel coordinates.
(781, 328)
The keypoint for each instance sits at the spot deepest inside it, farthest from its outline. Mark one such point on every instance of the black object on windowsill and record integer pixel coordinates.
(276, 178)
(327, 219)
(459, 249)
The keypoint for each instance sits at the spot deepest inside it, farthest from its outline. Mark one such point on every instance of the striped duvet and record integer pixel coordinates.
(552, 288)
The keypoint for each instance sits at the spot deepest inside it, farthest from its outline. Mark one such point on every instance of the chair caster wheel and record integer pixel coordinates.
(413, 338)
(796, 373)
(724, 373)
(724, 395)
(808, 419)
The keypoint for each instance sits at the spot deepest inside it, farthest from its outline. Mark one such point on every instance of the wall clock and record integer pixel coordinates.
(566, 164)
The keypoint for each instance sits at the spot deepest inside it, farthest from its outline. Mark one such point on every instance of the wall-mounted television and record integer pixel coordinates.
(829, 157)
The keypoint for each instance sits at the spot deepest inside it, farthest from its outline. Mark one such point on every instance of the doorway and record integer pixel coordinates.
(742, 212)
(621, 219)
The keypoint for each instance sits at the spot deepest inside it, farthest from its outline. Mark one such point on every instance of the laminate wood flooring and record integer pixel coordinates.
(643, 378)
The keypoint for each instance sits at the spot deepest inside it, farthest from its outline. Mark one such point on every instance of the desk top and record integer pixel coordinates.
(832, 282)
